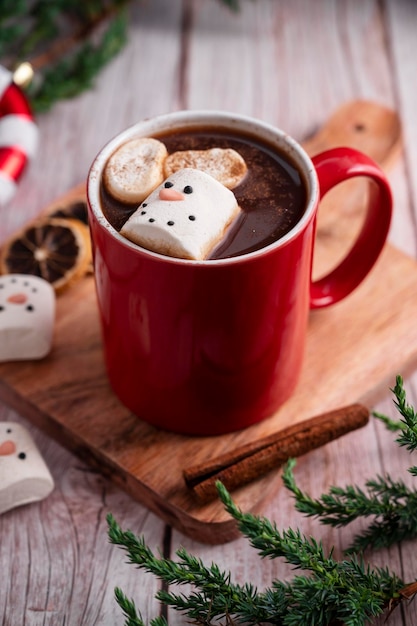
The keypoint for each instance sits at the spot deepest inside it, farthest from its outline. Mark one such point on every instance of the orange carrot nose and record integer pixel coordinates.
(167, 193)
(17, 298)
(7, 447)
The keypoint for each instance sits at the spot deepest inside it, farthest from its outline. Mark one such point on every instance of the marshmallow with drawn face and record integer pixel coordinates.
(185, 217)
(27, 315)
(24, 476)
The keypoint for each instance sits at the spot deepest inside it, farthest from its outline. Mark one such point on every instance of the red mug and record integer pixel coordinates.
(210, 347)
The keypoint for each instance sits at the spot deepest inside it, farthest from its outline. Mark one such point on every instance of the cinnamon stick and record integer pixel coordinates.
(243, 465)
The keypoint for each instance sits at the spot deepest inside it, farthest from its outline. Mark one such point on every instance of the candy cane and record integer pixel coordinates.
(18, 135)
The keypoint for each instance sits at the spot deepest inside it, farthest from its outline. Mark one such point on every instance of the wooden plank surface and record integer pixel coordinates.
(291, 64)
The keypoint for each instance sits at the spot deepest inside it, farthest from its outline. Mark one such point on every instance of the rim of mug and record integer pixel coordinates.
(184, 119)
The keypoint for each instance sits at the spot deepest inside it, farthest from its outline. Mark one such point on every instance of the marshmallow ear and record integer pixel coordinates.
(135, 169)
(24, 476)
(27, 316)
(224, 164)
(185, 217)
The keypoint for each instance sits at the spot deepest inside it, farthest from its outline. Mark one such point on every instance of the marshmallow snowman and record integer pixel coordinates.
(27, 314)
(184, 217)
(24, 476)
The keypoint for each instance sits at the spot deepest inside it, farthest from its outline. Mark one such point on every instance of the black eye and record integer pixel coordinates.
(1, 308)
(151, 219)
(170, 223)
(29, 307)
(21, 455)
(143, 212)
(191, 218)
(9, 430)
(144, 205)
(188, 189)
(168, 184)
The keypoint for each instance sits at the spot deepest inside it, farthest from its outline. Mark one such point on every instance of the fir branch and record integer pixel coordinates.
(329, 592)
(216, 597)
(391, 503)
(40, 25)
(129, 609)
(73, 75)
(389, 423)
(66, 42)
(232, 4)
(407, 424)
(56, 38)
(408, 435)
(346, 591)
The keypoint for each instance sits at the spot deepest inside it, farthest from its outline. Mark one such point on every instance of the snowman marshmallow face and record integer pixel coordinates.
(24, 476)
(27, 313)
(185, 217)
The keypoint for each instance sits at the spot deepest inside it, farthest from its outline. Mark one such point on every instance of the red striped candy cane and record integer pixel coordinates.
(18, 135)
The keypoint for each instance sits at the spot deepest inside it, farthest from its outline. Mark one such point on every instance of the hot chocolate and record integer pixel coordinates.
(206, 347)
(272, 194)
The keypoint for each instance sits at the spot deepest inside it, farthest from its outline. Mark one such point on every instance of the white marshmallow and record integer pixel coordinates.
(27, 315)
(135, 169)
(24, 476)
(224, 164)
(187, 227)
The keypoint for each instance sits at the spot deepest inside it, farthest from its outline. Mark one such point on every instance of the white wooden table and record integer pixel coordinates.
(291, 64)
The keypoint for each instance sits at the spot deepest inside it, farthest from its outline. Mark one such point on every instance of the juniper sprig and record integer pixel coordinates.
(407, 424)
(65, 42)
(345, 591)
(215, 594)
(391, 503)
(72, 74)
(133, 617)
(326, 592)
(333, 592)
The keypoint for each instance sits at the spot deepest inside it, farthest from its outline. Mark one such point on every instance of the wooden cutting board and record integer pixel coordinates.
(67, 394)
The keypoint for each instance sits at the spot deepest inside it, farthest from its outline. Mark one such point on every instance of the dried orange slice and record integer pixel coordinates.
(76, 210)
(57, 250)
(73, 210)
(73, 204)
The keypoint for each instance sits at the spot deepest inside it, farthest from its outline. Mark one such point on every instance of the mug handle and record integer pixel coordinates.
(333, 167)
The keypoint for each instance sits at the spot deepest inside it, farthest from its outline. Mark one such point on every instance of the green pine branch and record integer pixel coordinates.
(346, 591)
(133, 617)
(407, 425)
(328, 592)
(391, 504)
(74, 74)
(62, 40)
(215, 596)
(334, 592)
(28, 29)
(232, 4)
(67, 42)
